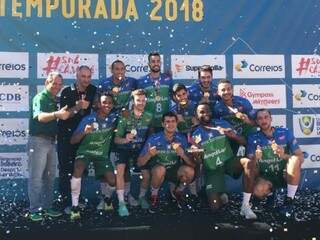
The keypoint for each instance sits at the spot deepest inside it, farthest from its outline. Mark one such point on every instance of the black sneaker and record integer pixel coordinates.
(287, 208)
(154, 203)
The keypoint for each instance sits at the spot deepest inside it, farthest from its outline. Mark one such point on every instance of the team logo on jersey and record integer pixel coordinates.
(306, 124)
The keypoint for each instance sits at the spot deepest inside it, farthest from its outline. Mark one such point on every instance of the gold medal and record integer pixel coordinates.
(183, 102)
(197, 139)
(158, 98)
(115, 89)
(206, 94)
(175, 146)
(134, 132)
(95, 126)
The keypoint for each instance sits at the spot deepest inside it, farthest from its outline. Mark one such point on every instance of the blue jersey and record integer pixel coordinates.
(196, 93)
(188, 112)
(239, 104)
(270, 166)
(158, 93)
(120, 92)
(166, 155)
(282, 136)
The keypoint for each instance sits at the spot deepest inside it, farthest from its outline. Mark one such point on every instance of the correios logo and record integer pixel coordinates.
(257, 68)
(243, 64)
(306, 124)
(301, 94)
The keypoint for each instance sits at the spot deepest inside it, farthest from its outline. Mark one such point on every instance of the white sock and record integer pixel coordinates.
(120, 194)
(291, 191)
(246, 198)
(193, 188)
(126, 188)
(154, 191)
(75, 190)
(108, 190)
(142, 192)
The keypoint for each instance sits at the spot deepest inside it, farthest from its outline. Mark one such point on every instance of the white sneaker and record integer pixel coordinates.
(224, 198)
(100, 206)
(247, 212)
(132, 201)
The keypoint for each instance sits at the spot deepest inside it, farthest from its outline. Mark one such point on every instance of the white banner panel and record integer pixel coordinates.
(66, 64)
(14, 98)
(258, 66)
(311, 156)
(263, 96)
(13, 165)
(186, 66)
(305, 66)
(279, 121)
(306, 96)
(136, 64)
(306, 125)
(14, 65)
(14, 131)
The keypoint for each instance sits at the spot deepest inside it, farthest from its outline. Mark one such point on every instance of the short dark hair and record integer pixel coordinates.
(203, 103)
(262, 110)
(115, 62)
(177, 87)
(204, 68)
(97, 98)
(169, 114)
(224, 81)
(152, 55)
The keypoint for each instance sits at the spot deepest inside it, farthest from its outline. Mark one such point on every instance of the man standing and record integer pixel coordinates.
(278, 157)
(120, 85)
(42, 147)
(218, 158)
(158, 88)
(165, 154)
(95, 134)
(79, 98)
(236, 110)
(131, 134)
(204, 90)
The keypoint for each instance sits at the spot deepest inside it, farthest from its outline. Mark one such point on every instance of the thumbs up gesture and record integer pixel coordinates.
(63, 113)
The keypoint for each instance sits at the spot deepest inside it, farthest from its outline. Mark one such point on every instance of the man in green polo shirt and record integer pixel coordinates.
(42, 149)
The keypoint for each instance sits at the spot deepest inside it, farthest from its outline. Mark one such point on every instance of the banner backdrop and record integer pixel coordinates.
(268, 49)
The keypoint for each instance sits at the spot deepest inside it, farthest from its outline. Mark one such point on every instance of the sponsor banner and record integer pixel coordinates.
(14, 65)
(14, 98)
(306, 96)
(279, 121)
(306, 125)
(263, 96)
(66, 64)
(136, 64)
(305, 66)
(14, 131)
(258, 66)
(311, 156)
(186, 66)
(13, 165)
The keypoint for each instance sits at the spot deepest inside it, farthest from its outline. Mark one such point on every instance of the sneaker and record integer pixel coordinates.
(108, 206)
(144, 203)
(123, 210)
(36, 216)
(247, 212)
(287, 208)
(75, 213)
(224, 198)
(132, 201)
(154, 204)
(52, 212)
